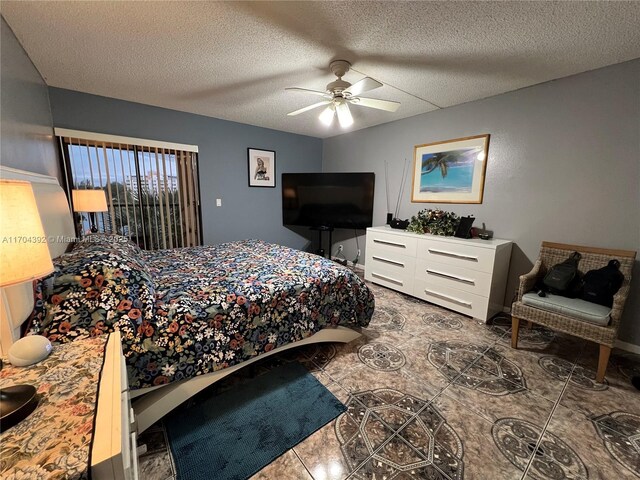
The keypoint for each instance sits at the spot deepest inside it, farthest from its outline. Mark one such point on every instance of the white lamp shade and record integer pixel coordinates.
(24, 252)
(89, 201)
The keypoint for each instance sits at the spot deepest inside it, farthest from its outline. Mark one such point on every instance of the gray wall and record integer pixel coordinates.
(245, 212)
(25, 118)
(563, 165)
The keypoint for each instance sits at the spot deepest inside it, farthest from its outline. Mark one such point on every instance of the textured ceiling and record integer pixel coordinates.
(232, 60)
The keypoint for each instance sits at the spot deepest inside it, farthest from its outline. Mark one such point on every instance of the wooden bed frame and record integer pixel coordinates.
(149, 404)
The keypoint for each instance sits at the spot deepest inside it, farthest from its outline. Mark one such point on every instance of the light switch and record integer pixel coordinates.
(218, 202)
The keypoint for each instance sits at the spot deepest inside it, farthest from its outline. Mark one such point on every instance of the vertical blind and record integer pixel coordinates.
(151, 189)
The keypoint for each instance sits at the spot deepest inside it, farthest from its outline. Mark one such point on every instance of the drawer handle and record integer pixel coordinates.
(452, 277)
(387, 242)
(453, 254)
(388, 279)
(386, 260)
(447, 297)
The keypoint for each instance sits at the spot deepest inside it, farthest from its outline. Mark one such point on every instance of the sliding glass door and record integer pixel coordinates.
(152, 192)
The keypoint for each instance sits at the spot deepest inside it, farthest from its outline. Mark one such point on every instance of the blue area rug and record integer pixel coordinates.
(233, 434)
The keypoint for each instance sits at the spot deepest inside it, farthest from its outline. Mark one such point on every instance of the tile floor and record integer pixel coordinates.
(435, 395)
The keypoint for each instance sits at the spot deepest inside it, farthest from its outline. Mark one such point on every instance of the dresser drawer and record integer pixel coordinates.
(465, 256)
(390, 276)
(472, 281)
(391, 244)
(396, 262)
(464, 302)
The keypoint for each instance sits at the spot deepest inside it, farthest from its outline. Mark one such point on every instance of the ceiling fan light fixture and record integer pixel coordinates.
(340, 93)
(344, 115)
(326, 117)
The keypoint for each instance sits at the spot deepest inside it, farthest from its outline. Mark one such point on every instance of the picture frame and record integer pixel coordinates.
(451, 171)
(261, 167)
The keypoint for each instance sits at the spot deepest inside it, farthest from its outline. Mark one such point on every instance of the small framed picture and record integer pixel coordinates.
(262, 168)
(451, 171)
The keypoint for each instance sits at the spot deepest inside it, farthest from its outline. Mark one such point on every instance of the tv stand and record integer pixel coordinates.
(321, 229)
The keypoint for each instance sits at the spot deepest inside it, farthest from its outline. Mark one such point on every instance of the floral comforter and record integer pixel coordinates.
(190, 311)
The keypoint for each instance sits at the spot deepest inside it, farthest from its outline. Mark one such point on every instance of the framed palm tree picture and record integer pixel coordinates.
(451, 171)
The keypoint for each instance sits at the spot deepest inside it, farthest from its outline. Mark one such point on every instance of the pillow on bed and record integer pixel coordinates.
(117, 243)
(95, 289)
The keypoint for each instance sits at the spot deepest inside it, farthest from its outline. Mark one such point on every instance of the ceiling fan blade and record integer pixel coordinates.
(364, 85)
(344, 115)
(328, 114)
(386, 105)
(310, 107)
(313, 92)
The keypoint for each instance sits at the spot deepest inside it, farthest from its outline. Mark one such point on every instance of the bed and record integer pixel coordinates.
(191, 316)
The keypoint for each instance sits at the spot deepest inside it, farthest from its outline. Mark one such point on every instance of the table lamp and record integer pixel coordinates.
(90, 201)
(24, 257)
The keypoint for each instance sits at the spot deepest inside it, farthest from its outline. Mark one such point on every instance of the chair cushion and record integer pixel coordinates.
(571, 307)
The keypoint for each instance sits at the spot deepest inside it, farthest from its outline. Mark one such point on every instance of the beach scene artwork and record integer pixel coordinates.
(448, 171)
(451, 171)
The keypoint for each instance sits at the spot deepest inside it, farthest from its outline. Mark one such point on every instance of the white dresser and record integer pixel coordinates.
(468, 276)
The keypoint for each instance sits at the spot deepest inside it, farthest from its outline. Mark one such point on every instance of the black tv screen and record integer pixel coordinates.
(338, 200)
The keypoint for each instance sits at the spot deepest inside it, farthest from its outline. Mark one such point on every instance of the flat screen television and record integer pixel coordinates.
(333, 200)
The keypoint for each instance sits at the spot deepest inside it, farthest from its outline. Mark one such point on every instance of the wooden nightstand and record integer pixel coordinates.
(83, 415)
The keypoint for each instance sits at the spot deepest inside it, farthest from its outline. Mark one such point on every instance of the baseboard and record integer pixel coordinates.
(628, 347)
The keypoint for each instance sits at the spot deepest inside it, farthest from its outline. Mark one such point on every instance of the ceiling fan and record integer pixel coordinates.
(339, 94)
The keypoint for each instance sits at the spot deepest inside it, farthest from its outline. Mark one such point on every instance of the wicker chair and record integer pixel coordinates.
(605, 336)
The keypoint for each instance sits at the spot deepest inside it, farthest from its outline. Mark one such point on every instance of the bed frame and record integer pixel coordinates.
(149, 404)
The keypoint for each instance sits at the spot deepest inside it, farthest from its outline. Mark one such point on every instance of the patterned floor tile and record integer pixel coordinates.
(382, 356)
(472, 330)
(520, 404)
(619, 394)
(581, 435)
(626, 363)
(620, 432)
(419, 366)
(155, 463)
(319, 355)
(436, 395)
(482, 459)
(541, 455)
(322, 456)
(415, 440)
(577, 375)
(544, 378)
(452, 358)
(154, 439)
(364, 377)
(443, 321)
(387, 317)
(536, 337)
(286, 467)
(346, 358)
(156, 466)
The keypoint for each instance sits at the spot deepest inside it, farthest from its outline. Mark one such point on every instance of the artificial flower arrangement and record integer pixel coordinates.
(435, 222)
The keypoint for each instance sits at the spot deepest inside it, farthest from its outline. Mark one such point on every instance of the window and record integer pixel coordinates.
(151, 187)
